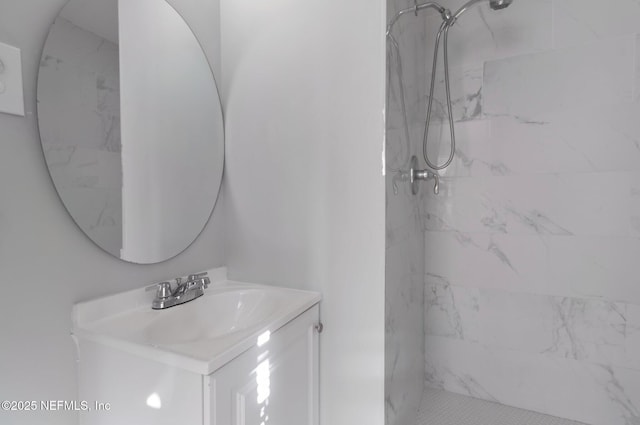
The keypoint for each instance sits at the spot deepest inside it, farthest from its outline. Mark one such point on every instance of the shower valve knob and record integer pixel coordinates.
(417, 175)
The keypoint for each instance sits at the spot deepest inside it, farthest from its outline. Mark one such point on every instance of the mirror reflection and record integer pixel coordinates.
(131, 126)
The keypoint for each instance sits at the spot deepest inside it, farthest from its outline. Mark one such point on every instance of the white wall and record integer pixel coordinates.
(304, 101)
(46, 263)
(532, 246)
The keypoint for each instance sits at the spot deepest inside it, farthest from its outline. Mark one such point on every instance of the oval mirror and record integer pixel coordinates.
(131, 126)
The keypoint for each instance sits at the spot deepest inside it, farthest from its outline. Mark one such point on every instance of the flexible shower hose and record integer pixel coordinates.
(444, 28)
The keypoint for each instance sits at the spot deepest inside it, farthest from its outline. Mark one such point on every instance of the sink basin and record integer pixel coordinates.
(223, 312)
(201, 335)
(219, 314)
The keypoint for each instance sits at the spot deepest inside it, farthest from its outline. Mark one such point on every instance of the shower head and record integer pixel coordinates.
(494, 4)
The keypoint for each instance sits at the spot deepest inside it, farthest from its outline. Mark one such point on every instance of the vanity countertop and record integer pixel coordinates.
(200, 336)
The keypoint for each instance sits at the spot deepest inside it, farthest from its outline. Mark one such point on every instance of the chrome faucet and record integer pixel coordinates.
(192, 288)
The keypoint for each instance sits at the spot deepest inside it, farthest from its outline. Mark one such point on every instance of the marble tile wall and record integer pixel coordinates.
(404, 334)
(532, 248)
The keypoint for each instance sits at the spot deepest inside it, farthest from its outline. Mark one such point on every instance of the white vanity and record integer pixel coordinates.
(241, 354)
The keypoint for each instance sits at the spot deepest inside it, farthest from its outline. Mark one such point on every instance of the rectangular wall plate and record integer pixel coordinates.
(11, 90)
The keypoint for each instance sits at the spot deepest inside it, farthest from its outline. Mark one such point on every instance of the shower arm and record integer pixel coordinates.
(444, 13)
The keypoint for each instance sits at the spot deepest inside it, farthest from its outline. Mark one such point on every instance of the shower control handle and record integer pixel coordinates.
(416, 175)
(426, 175)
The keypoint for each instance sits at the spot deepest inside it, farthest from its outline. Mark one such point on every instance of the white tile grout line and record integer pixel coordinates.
(444, 408)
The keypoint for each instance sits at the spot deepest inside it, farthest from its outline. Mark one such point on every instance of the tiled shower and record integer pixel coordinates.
(518, 283)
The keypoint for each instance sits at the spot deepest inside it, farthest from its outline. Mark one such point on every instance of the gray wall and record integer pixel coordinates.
(532, 247)
(46, 263)
(404, 282)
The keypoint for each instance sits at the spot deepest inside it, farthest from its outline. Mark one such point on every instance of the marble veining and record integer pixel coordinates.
(618, 396)
(442, 316)
(570, 141)
(531, 248)
(582, 391)
(580, 326)
(553, 204)
(574, 328)
(466, 94)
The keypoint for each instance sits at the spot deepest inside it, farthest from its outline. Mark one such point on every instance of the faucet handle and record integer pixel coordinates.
(197, 276)
(436, 186)
(415, 175)
(200, 276)
(163, 289)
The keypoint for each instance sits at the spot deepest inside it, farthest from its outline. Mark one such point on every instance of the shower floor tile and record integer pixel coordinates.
(444, 408)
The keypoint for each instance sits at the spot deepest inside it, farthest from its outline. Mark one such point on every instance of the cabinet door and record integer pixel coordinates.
(274, 383)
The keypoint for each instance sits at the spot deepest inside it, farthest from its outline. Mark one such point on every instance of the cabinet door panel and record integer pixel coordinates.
(273, 383)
